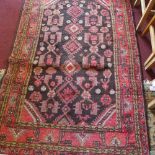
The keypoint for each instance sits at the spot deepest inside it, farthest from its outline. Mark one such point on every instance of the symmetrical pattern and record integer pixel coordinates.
(74, 88)
(73, 84)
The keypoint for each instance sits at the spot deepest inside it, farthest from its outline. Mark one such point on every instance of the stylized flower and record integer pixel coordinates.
(105, 99)
(104, 12)
(108, 53)
(55, 12)
(94, 12)
(38, 82)
(48, 12)
(108, 37)
(43, 88)
(68, 92)
(51, 70)
(98, 91)
(92, 72)
(104, 29)
(94, 49)
(86, 95)
(52, 84)
(87, 85)
(127, 106)
(105, 84)
(115, 141)
(51, 93)
(45, 28)
(107, 73)
(35, 96)
(93, 29)
(31, 88)
(112, 91)
(38, 70)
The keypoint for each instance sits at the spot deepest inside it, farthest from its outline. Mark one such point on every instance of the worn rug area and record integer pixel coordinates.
(73, 85)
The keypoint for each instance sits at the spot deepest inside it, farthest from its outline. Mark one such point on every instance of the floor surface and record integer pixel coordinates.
(10, 11)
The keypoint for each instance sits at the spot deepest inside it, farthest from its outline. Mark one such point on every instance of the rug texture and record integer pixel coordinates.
(73, 85)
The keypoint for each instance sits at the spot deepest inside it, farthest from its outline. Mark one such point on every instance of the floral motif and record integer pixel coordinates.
(106, 99)
(38, 82)
(68, 94)
(115, 141)
(108, 53)
(36, 96)
(107, 73)
(104, 13)
(51, 93)
(51, 70)
(37, 70)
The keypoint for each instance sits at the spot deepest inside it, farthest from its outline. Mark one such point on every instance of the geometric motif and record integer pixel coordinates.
(68, 92)
(75, 94)
(79, 95)
(74, 28)
(75, 11)
(72, 47)
(70, 67)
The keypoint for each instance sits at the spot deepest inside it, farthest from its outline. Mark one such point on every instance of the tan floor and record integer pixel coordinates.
(2, 72)
(151, 120)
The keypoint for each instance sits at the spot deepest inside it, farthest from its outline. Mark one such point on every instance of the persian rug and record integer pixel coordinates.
(73, 85)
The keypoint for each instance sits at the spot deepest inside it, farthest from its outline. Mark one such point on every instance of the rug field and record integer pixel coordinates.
(73, 85)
